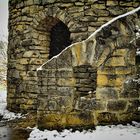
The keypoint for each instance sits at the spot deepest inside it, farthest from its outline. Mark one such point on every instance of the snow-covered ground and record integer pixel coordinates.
(3, 111)
(119, 132)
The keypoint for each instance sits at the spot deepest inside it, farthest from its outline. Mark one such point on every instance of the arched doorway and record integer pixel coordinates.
(60, 38)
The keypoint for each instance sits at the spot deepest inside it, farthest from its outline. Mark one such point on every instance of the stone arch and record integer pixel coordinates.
(60, 38)
(56, 33)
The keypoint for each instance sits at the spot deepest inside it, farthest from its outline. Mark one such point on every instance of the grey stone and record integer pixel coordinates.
(117, 105)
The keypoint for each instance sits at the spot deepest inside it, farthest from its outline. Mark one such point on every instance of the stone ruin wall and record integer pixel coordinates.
(30, 25)
(92, 82)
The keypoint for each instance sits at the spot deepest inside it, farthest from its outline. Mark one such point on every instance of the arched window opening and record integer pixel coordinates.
(60, 38)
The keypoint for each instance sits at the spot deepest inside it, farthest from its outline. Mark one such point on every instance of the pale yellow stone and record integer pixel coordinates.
(105, 71)
(36, 61)
(105, 80)
(102, 80)
(119, 81)
(78, 54)
(66, 82)
(111, 3)
(98, 6)
(103, 57)
(23, 61)
(116, 61)
(20, 27)
(120, 52)
(91, 29)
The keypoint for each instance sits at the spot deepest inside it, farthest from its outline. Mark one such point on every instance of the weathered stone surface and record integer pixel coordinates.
(107, 93)
(86, 83)
(66, 82)
(106, 117)
(116, 106)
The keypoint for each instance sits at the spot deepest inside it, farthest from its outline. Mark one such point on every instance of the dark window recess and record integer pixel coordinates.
(138, 60)
(60, 39)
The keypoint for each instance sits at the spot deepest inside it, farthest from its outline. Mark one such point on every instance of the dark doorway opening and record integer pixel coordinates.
(60, 38)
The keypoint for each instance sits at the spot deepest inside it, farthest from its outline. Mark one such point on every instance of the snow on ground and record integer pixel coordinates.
(118, 132)
(3, 111)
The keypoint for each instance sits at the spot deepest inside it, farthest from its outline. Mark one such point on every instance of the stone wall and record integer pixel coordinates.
(94, 81)
(30, 25)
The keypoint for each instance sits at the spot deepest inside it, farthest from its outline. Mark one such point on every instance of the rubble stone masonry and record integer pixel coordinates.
(93, 81)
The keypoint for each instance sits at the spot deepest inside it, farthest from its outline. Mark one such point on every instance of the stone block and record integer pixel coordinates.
(32, 73)
(125, 70)
(131, 57)
(86, 81)
(80, 119)
(89, 12)
(77, 37)
(107, 118)
(101, 13)
(53, 106)
(116, 10)
(24, 61)
(127, 3)
(111, 3)
(81, 75)
(31, 54)
(133, 106)
(106, 71)
(91, 29)
(121, 52)
(29, 2)
(42, 73)
(66, 82)
(80, 69)
(51, 64)
(32, 88)
(90, 104)
(98, 6)
(76, 9)
(65, 91)
(116, 105)
(89, 19)
(20, 67)
(38, 2)
(85, 89)
(50, 81)
(36, 61)
(78, 54)
(116, 62)
(107, 93)
(102, 80)
(64, 60)
(43, 89)
(51, 73)
(64, 73)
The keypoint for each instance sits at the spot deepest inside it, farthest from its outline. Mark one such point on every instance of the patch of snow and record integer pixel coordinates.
(7, 115)
(138, 51)
(118, 132)
(3, 104)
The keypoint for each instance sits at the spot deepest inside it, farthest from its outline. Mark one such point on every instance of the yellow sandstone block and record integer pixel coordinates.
(106, 80)
(102, 80)
(66, 82)
(120, 52)
(116, 61)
